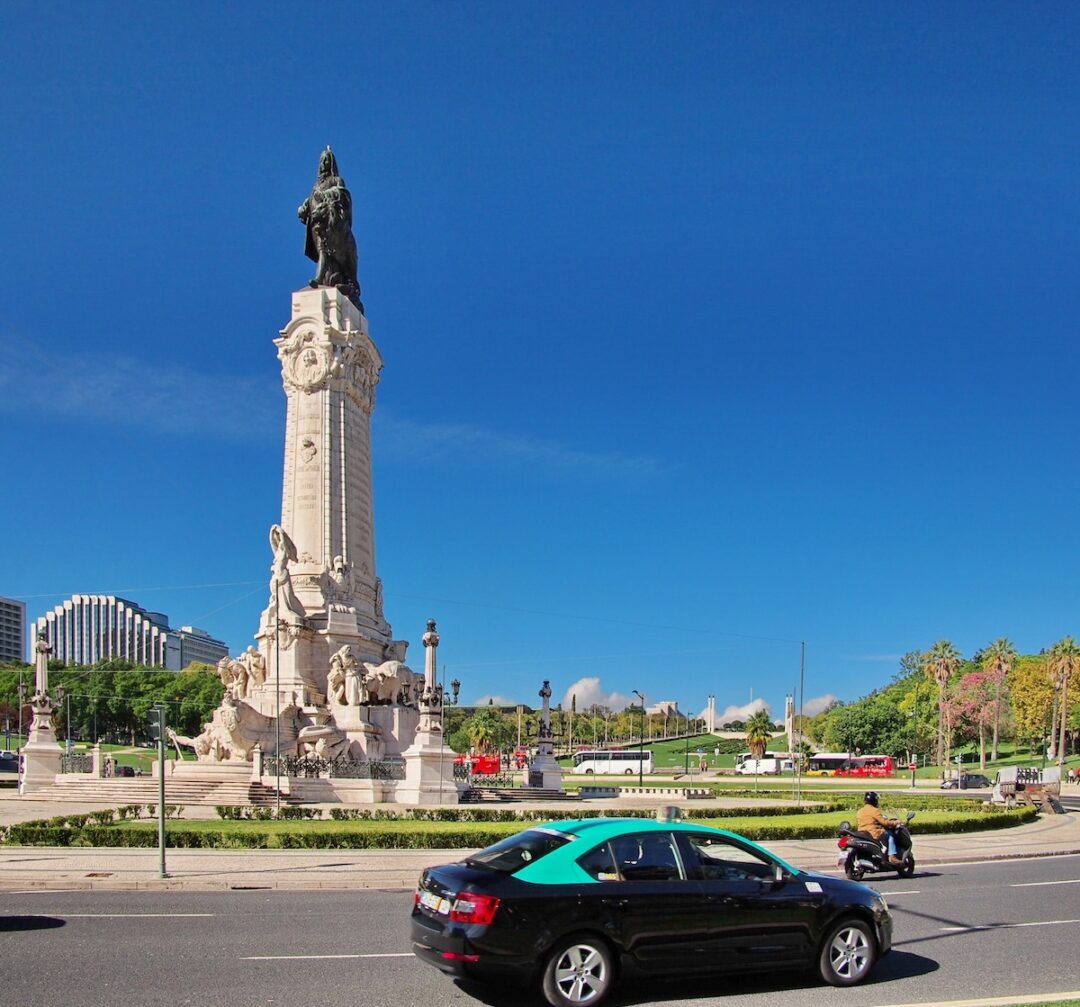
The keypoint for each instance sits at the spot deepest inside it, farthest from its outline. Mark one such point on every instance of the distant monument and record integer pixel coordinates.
(544, 771)
(327, 683)
(41, 753)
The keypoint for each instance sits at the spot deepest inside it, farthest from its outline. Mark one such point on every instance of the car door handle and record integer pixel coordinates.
(618, 902)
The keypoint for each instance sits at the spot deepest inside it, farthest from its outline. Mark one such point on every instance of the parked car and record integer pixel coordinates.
(574, 904)
(9, 762)
(124, 771)
(966, 781)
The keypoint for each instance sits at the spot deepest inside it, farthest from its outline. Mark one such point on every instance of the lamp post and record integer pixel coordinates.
(641, 746)
(60, 693)
(455, 686)
(914, 735)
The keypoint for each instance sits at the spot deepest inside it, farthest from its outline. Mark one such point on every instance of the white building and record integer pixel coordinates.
(88, 628)
(12, 630)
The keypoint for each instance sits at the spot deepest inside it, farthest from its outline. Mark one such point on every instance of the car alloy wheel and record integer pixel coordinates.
(579, 971)
(847, 954)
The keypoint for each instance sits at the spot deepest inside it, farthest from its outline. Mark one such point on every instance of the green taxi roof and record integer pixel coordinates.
(560, 866)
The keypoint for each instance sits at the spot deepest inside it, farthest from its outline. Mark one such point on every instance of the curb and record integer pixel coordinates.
(13, 884)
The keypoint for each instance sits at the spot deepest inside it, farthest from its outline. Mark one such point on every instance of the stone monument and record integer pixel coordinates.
(327, 680)
(41, 753)
(544, 771)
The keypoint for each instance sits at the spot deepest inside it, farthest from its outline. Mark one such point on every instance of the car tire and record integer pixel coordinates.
(588, 772)
(907, 869)
(579, 972)
(629, 772)
(848, 953)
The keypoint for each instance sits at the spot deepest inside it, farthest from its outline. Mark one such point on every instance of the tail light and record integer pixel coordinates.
(843, 842)
(474, 908)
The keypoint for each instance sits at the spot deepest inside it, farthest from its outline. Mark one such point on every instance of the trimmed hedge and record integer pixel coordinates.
(76, 830)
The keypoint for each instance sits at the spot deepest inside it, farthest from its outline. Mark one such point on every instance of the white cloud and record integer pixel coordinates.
(463, 442)
(738, 712)
(589, 691)
(812, 707)
(163, 395)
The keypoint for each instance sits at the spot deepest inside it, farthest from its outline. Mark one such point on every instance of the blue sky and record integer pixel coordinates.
(707, 328)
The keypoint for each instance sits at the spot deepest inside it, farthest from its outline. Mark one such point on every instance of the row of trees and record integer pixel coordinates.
(938, 699)
(111, 701)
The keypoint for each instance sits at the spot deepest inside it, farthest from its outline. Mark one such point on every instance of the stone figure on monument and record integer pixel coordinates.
(281, 586)
(42, 650)
(341, 585)
(335, 680)
(256, 666)
(327, 212)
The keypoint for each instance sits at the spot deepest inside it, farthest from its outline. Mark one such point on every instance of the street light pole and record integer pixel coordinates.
(641, 746)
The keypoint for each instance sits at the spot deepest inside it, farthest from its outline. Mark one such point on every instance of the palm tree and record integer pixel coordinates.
(939, 663)
(758, 732)
(1064, 659)
(997, 661)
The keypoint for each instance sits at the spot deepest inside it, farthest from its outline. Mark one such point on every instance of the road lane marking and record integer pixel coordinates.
(1009, 926)
(133, 916)
(891, 894)
(997, 1001)
(292, 958)
(1039, 884)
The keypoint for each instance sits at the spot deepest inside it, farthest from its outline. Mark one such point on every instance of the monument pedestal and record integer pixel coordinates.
(545, 772)
(429, 773)
(41, 753)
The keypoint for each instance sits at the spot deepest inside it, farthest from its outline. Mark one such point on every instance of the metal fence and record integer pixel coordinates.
(76, 762)
(313, 767)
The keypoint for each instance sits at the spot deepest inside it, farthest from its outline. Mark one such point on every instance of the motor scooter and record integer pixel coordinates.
(862, 854)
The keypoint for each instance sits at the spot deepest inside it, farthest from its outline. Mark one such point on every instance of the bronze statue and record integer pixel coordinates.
(327, 212)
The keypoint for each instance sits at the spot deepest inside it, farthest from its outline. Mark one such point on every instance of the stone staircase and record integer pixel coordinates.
(482, 795)
(87, 789)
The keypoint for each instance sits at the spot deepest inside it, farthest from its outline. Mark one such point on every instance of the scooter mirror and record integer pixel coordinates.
(910, 815)
(844, 826)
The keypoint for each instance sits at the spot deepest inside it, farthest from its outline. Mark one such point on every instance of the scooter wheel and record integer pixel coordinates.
(906, 869)
(853, 871)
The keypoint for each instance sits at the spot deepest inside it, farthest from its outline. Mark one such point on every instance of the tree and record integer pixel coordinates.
(970, 707)
(487, 730)
(1032, 697)
(997, 661)
(758, 732)
(939, 663)
(1063, 662)
(873, 724)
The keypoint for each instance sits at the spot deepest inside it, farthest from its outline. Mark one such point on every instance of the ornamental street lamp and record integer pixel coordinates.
(641, 747)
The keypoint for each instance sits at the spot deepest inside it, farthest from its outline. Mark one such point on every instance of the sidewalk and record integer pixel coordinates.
(43, 868)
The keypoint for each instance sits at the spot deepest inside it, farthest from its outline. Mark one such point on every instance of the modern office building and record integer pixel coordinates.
(12, 630)
(88, 628)
(189, 643)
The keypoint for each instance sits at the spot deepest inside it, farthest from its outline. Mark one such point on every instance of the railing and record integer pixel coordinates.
(499, 781)
(313, 767)
(76, 762)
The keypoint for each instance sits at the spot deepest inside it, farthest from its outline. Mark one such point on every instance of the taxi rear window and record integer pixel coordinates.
(515, 852)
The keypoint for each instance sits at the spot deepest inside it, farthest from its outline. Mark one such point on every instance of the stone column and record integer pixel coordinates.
(324, 589)
(41, 753)
(544, 771)
(429, 765)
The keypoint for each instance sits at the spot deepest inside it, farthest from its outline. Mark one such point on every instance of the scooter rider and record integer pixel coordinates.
(869, 819)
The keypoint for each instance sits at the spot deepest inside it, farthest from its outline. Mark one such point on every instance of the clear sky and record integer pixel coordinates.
(708, 328)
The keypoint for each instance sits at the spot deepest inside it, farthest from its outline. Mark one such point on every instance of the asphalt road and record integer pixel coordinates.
(991, 929)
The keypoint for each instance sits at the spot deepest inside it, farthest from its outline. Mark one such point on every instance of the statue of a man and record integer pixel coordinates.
(42, 650)
(327, 212)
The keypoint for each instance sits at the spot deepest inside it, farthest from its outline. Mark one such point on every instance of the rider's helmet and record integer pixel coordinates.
(871, 797)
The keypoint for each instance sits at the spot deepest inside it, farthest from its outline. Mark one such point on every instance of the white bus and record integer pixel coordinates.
(630, 761)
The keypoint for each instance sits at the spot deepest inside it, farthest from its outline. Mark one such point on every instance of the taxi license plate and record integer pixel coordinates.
(429, 900)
